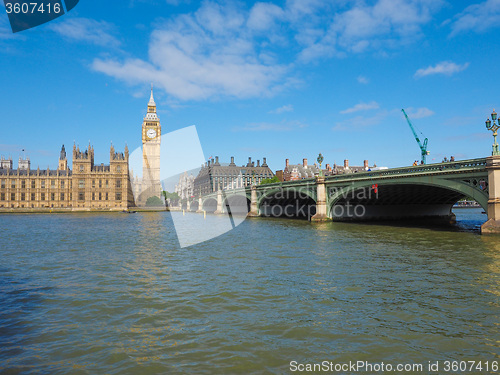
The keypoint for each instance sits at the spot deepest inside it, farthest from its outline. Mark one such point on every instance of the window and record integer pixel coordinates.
(118, 183)
(100, 183)
(81, 184)
(42, 196)
(52, 196)
(2, 196)
(23, 196)
(93, 184)
(107, 183)
(33, 196)
(93, 196)
(62, 196)
(81, 168)
(118, 196)
(13, 184)
(100, 196)
(3, 184)
(118, 168)
(33, 184)
(42, 184)
(62, 184)
(23, 184)
(53, 184)
(106, 196)
(81, 196)
(12, 196)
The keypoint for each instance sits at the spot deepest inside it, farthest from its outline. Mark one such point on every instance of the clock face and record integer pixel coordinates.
(151, 133)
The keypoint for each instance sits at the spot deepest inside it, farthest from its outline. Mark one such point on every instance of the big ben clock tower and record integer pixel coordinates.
(151, 141)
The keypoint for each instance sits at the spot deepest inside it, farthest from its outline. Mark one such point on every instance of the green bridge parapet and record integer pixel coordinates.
(438, 168)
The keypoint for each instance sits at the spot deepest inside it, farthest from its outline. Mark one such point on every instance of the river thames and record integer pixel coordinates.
(115, 294)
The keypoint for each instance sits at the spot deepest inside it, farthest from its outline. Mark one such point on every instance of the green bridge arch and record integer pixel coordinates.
(440, 184)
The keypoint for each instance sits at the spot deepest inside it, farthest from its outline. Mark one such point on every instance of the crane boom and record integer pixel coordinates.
(423, 147)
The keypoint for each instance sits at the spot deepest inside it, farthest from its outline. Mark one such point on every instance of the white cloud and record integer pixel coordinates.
(446, 68)
(232, 50)
(363, 80)
(263, 16)
(87, 30)
(477, 17)
(361, 107)
(415, 113)
(385, 24)
(198, 56)
(285, 108)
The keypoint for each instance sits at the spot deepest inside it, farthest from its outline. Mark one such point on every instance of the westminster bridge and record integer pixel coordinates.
(424, 191)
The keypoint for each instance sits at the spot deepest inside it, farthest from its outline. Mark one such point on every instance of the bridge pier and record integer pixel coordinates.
(219, 209)
(254, 209)
(200, 205)
(493, 223)
(321, 208)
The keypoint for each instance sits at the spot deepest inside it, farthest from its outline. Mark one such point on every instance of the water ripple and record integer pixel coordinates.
(110, 293)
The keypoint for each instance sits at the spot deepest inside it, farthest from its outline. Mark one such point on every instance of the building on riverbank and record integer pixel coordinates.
(185, 187)
(213, 176)
(86, 186)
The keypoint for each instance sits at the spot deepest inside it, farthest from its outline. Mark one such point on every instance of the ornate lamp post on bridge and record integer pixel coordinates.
(494, 126)
(493, 168)
(320, 160)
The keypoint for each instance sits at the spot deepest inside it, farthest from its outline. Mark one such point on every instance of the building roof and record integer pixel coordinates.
(303, 172)
(34, 172)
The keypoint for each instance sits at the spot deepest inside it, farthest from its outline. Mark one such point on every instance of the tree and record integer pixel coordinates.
(154, 201)
(270, 180)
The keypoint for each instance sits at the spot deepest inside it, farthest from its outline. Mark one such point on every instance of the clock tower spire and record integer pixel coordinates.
(151, 142)
(151, 104)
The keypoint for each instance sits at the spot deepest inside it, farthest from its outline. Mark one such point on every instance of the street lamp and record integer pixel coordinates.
(320, 160)
(494, 126)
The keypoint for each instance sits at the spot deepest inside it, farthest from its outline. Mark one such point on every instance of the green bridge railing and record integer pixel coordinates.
(447, 167)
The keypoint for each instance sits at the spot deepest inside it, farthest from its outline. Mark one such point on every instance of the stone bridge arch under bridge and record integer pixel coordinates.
(412, 198)
(297, 201)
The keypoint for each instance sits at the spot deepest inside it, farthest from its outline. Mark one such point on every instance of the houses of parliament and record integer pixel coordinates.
(86, 185)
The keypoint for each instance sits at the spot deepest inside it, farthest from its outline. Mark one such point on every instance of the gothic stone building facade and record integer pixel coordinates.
(213, 176)
(85, 187)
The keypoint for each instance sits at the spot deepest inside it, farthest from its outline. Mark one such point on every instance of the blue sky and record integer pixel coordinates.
(282, 79)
